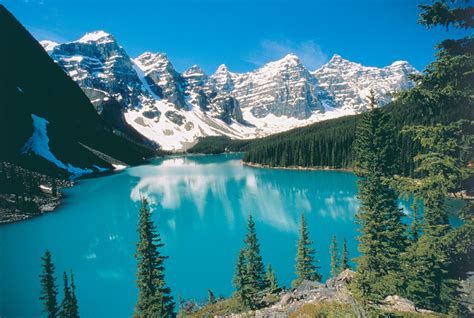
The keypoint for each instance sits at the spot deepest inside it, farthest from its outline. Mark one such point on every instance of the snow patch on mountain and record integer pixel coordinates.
(178, 130)
(39, 144)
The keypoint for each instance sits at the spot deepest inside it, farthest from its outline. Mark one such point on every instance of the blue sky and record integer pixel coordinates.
(243, 34)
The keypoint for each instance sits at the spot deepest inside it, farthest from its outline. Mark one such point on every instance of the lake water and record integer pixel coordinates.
(200, 205)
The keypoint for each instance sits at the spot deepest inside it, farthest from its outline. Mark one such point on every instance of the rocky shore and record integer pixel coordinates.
(25, 194)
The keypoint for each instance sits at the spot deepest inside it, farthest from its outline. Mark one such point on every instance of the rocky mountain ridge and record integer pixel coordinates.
(174, 109)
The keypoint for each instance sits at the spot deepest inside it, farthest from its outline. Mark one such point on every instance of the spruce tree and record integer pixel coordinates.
(49, 290)
(154, 297)
(433, 263)
(335, 266)
(430, 260)
(74, 310)
(250, 278)
(256, 276)
(66, 304)
(382, 238)
(345, 257)
(273, 287)
(240, 278)
(306, 269)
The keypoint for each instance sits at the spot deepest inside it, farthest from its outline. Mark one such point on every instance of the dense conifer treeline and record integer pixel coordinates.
(330, 143)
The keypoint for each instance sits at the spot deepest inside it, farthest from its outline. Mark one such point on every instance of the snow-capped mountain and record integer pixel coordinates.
(102, 69)
(174, 109)
(348, 83)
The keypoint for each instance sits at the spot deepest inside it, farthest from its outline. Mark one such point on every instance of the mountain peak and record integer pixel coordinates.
(194, 70)
(95, 36)
(289, 60)
(222, 69)
(336, 58)
(48, 45)
(291, 57)
(149, 61)
(150, 55)
(400, 63)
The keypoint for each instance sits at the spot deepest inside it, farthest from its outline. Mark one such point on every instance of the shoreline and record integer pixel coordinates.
(300, 168)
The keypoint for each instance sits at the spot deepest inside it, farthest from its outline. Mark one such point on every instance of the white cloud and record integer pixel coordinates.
(309, 52)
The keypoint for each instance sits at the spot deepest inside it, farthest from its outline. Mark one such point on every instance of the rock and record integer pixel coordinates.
(342, 280)
(175, 117)
(226, 108)
(152, 114)
(467, 292)
(285, 299)
(397, 303)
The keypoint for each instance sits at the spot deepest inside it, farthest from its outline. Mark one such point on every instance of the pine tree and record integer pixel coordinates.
(273, 287)
(66, 304)
(335, 267)
(211, 299)
(382, 238)
(74, 311)
(154, 297)
(306, 269)
(345, 257)
(49, 290)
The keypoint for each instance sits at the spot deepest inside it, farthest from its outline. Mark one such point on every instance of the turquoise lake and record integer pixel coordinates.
(200, 205)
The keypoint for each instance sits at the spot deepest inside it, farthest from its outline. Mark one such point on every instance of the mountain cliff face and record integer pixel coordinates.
(46, 122)
(162, 78)
(281, 88)
(174, 109)
(348, 84)
(101, 68)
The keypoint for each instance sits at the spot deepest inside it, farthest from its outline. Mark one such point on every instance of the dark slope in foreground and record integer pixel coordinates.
(32, 84)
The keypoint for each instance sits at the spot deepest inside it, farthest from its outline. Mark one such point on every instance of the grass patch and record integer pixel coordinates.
(326, 310)
(337, 310)
(223, 307)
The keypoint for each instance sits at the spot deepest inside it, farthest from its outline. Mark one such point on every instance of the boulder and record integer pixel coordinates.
(397, 303)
